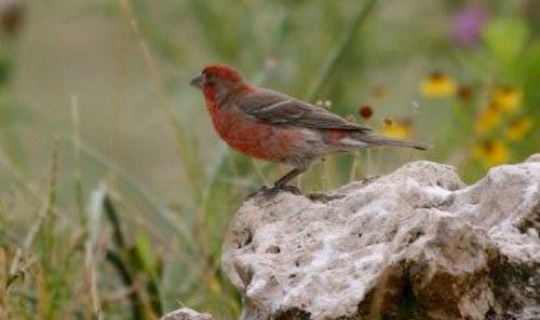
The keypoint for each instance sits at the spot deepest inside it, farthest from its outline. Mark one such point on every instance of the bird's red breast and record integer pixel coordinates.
(255, 138)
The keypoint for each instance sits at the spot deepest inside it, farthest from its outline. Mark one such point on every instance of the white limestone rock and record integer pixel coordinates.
(415, 244)
(186, 314)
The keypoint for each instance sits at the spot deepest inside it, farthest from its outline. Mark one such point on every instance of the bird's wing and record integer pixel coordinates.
(279, 109)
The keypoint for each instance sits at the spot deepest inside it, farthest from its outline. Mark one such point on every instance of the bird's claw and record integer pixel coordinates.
(269, 193)
(288, 188)
(263, 190)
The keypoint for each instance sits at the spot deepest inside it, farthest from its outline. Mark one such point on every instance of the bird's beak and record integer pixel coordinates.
(199, 81)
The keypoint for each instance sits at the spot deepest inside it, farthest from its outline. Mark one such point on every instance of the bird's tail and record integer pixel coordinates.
(376, 140)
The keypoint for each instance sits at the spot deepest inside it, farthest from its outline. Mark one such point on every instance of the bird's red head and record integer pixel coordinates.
(218, 82)
(222, 72)
(217, 75)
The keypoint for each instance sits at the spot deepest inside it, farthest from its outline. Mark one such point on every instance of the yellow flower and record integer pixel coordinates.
(395, 129)
(492, 152)
(438, 85)
(518, 128)
(488, 119)
(508, 98)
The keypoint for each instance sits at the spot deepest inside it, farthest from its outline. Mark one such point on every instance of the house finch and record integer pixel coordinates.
(272, 126)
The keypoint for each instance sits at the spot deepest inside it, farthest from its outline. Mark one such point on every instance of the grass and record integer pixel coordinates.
(125, 217)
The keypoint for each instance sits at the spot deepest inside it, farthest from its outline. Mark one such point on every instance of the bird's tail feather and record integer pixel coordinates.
(376, 140)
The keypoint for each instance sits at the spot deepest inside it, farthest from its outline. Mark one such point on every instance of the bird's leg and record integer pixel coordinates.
(281, 183)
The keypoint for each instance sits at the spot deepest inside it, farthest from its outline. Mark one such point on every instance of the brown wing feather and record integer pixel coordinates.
(276, 108)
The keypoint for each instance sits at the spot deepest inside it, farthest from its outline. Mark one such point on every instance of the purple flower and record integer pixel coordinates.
(467, 23)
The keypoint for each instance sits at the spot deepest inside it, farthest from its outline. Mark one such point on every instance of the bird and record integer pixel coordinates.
(269, 125)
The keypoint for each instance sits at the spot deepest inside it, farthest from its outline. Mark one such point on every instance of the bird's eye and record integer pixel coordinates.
(209, 77)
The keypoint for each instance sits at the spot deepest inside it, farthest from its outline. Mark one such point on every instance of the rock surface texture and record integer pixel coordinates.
(415, 244)
(186, 314)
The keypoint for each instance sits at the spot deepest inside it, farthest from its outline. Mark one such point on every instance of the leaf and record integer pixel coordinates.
(145, 254)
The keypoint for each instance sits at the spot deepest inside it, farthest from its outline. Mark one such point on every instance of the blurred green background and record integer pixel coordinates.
(115, 190)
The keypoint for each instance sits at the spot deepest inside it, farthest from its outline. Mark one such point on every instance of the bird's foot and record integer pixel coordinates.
(269, 193)
(288, 188)
(264, 190)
